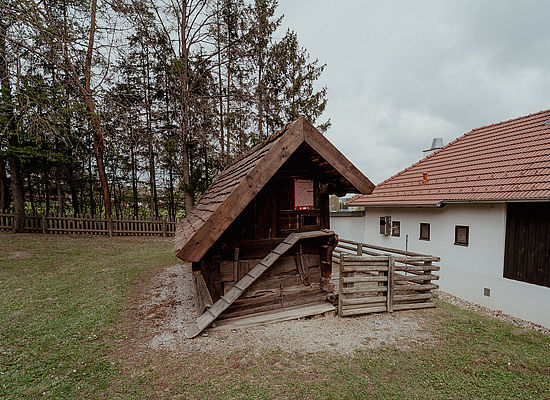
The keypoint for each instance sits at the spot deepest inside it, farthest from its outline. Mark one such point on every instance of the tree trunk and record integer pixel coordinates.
(18, 197)
(13, 141)
(134, 181)
(4, 195)
(187, 180)
(184, 104)
(31, 193)
(74, 192)
(172, 203)
(86, 93)
(59, 190)
(47, 189)
(91, 187)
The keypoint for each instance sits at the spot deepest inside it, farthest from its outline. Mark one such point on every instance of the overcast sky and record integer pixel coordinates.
(400, 73)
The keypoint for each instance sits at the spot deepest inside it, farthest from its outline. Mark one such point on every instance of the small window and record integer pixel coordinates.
(424, 231)
(462, 235)
(385, 225)
(395, 228)
(309, 220)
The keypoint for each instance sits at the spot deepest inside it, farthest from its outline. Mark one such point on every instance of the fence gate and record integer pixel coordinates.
(384, 283)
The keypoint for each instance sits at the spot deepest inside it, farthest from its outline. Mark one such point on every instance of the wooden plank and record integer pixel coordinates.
(365, 259)
(236, 291)
(429, 286)
(364, 268)
(192, 249)
(364, 300)
(415, 278)
(357, 279)
(269, 317)
(413, 306)
(362, 310)
(416, 268)
(337, 160)
(370, 289)
(407, 297)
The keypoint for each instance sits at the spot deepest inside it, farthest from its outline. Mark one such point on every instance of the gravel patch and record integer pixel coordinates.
(171, 304)
(449, 298)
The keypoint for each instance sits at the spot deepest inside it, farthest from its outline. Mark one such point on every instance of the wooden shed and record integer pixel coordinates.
(259, 236)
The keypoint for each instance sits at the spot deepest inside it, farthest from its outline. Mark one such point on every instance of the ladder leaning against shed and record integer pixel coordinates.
(236, 291)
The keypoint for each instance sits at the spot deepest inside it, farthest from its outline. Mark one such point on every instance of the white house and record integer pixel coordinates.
(481, 203)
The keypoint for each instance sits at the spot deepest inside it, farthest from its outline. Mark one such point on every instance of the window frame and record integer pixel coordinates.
(467, 242)
(420, 237)
(398, 223)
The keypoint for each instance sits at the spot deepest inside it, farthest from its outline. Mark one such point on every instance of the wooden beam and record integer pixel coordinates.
(336, 159)
(244, 192)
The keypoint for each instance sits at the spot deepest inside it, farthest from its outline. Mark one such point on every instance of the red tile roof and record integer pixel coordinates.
(505, 161)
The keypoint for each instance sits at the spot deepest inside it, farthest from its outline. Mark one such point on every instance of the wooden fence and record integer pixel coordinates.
(86, 225)
(382, 280)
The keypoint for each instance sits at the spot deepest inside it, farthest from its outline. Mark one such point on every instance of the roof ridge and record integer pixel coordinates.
(263, 143)
(510, 120)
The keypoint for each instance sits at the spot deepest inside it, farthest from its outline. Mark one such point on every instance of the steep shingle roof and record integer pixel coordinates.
(505, 161)
(239, 183)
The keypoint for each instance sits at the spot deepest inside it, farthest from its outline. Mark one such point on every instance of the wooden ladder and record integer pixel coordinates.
(236, 291)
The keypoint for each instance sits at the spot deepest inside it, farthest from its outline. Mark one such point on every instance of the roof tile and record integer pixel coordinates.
(504, 161)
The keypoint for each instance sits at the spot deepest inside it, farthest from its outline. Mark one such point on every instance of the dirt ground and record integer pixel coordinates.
(167, 303)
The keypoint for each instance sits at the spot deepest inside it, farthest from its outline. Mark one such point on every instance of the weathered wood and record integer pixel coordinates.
(357, 279)
(237, 290)
(362, 310)
(391, 280)
(355, 180)
(364, 300)
(416, 278)
(364, 268)
(266, 317)
(413, 306)
(428, 286)
(85, 225)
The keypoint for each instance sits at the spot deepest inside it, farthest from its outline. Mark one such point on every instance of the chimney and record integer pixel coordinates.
(437, 143)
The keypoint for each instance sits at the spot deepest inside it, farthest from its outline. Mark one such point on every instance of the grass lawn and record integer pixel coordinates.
(64, 334)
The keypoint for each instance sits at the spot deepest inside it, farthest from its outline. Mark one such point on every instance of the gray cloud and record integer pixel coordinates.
(402, 72)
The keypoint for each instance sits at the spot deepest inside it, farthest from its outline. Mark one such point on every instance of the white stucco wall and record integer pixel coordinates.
(465, 271)
(348, 227)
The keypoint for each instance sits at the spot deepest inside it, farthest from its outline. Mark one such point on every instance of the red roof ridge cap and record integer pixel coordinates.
(511, 120)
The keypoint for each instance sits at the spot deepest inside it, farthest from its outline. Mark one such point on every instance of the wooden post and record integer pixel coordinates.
(164, 228)
(236, 265)
(389, 293)
(428, 272)
(44, 227)
(341, 285)
(359, 249)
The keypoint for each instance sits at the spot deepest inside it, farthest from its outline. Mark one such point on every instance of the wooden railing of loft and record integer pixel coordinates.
(380, 279)
(87, 225)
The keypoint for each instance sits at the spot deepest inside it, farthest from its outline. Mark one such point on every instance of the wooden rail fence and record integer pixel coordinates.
(86, 225)
(383, 280)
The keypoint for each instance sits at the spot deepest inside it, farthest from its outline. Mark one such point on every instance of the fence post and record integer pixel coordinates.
(164, 228)
(428, 272)
(44, 227)
(110, 225)
(341, 285)
(389, 293)
(359, 249)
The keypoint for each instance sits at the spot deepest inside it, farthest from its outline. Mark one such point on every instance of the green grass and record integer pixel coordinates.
(60, 296)
(64, 334)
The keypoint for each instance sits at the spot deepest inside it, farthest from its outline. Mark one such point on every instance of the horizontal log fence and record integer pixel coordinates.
(384, 280)
(87, 225)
